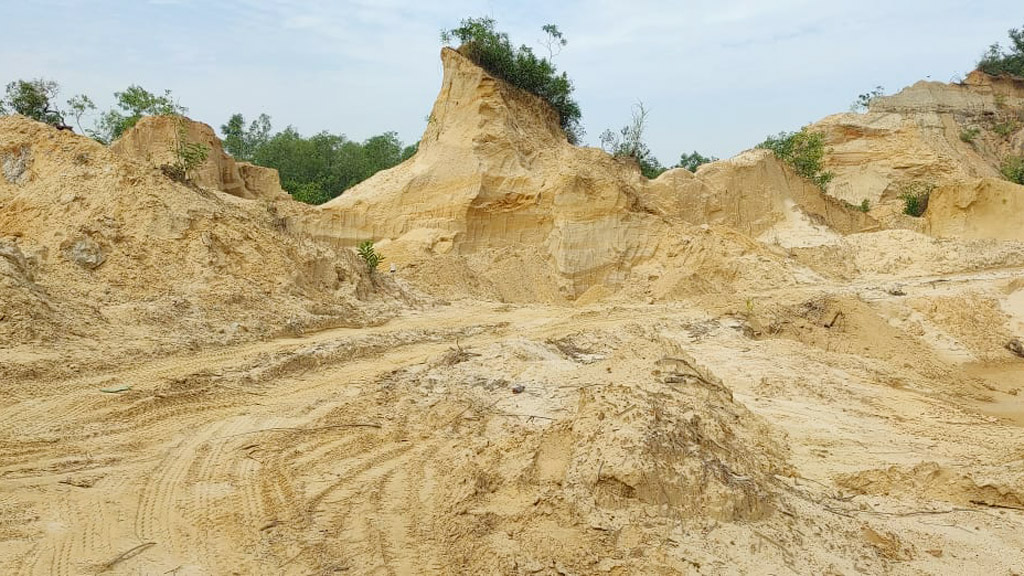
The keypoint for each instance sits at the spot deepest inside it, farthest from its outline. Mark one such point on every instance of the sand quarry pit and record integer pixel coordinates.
(573, 371)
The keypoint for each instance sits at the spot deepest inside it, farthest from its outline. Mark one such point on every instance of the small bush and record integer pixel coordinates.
(520, 67)
(695, 160)
(804, 151)
(969, 134)
(1013, 168)
(370, 256)
(915, 197)
(865, 206)
(629, 143)
(187, 155)
(1005, 129)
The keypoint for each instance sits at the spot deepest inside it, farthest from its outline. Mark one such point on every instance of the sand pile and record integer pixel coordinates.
(154, 138)
(98, 246)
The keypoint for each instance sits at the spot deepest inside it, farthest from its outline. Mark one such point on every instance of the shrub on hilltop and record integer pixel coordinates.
(996, 61)
(520, 67)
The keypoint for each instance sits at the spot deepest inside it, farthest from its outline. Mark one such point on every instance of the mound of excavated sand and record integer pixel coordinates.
(154, 138)
(98, 246)
(494, 176)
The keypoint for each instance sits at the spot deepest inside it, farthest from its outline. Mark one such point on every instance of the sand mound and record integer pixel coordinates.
(98, 245)
(154, 138)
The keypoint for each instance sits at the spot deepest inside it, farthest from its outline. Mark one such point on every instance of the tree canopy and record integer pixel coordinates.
(1011, 61)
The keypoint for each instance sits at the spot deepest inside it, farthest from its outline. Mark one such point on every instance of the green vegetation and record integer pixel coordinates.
(1013, 169)
(35, 99)
(915, 197)
(370, 256)
(969, 134)
(864, 100)
(998, 61)
(1006, 127)
(693, 161)
(131, 105)
(629, 143)
(804, 151)
(314, 169)
(520, 67)
(865, 205)
(188, 155)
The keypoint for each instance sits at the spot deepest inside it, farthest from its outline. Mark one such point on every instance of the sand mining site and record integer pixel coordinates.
(573, 369)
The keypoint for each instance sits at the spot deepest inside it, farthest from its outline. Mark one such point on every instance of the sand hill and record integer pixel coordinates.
(573, 370)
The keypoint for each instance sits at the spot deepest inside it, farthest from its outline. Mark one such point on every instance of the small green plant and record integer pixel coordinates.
(915, 197)
(370, 256)
(187, 155)
(1013, 168)
(804, 151)
(969, 134)
(865, 205)
(1006, 128)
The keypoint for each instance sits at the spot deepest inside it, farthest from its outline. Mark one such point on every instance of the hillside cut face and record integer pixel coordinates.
(494, 171)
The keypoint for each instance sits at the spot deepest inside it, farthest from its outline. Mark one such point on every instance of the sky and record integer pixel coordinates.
(716, 76)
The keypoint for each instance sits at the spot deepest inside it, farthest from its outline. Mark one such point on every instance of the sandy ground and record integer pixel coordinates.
(834, 429)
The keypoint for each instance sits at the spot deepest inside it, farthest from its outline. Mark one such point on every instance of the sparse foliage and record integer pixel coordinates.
(969, 134)
(520, 67)
(132, 104)
(370, 255)
(1013, 169)
(80, 105)
(863, 101)
(188, 155)
(998, 61)
(629, 143)
(865, 205)
(694, 160)
(554, 40)
(804, 151)
(915, 197)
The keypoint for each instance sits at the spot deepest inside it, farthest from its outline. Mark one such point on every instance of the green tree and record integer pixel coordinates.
(864, 100)
(242, 142)
(520, 67)
(997, 61)
(131, 105)
(693, 161)
(804, 151)
(35, 99)
(80, 105)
